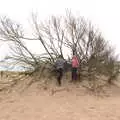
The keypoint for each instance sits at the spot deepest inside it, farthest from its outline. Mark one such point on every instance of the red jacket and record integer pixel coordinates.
(75, 62)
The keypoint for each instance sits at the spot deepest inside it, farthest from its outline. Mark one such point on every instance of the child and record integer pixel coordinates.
(75, 65)
(60, 67)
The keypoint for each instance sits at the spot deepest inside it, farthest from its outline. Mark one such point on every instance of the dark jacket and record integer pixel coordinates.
(59, 63)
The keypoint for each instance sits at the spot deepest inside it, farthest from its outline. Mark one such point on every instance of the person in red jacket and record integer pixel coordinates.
(75, 65)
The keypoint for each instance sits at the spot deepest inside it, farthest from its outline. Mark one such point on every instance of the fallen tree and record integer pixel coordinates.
(58, 35)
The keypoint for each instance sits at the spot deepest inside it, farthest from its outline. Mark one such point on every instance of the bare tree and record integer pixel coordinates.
(12, 32)
(39, 34)
(51, 35)
(91, 48)
(74, 33)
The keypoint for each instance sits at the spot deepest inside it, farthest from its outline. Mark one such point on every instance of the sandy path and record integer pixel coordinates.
(64, 105)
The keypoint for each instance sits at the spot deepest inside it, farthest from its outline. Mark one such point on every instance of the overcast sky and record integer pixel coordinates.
(103, 13)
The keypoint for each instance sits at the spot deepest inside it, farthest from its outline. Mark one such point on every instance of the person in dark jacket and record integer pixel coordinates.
(59, 64)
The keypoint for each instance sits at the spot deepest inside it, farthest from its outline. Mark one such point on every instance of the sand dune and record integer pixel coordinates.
(73, 103)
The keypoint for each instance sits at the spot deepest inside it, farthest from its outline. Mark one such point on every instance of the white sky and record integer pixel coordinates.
(103, 13)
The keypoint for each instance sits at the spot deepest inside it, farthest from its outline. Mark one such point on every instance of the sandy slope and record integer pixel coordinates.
(72, 104)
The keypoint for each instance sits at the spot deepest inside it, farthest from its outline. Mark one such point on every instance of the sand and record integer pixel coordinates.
(73, 103)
